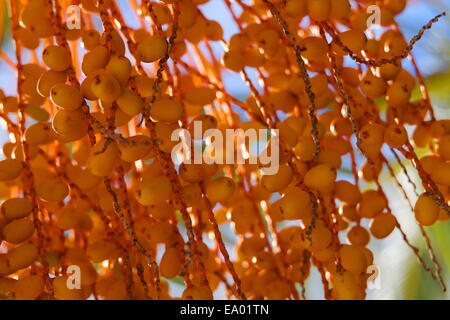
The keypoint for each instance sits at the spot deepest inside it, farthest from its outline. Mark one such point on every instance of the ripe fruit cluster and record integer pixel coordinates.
(87, 177)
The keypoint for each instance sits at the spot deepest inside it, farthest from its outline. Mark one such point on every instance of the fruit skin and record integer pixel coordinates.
(167, 110)
(347, 192)
(382, 225)
(200, 95)
(151, 48)
(16, 208)
(66, 97)
(120, 68)
(95, 60)
(371, 204)
(62, 292)
(395, 136)
(219, 189)
(10, 169)
(91, 39)
(28, 288)
(105, 87)
(170, 265)
(49, 79)
(154, 191)
(358, 236)
(101, 250)
(426, 210)
(321, 178)
(197, 293)
(39, 134)
(353, 259)
(278, 181)
(130, 103)
(71, 124)
(103, 157)
(18, 231)
(319, 10)
(52, 190)
(345, 286)
(131, 153)
(57, 58)
(22, 256)
(296, 204)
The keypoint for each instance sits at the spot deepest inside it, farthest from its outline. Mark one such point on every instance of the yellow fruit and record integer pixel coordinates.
(18, 231)
(371, 204)
(6, 285)
(120, 68)
(234, 61)
(101, 250)
(398, 94)
(191, 172)
(105, 87)
(213, 31)
(91, 39)
(117, 43)
(321, 178)
(52, 190)
(345, 286)
(132, 153)
(426, 210)
(192, 194)
(347, 192)
(320, 239)
(319, 10)
(22, 256)
(144, 85)
(16, 208)
(103, 157)
(278, 181)
(162, 211)
(48, 80)
(200, 95)
(39, 134)
(130, 103)
(353, 259)
(167, 110)
(340, 9)
(151, 48)
(66, 96)
(154, 191)
(62, 290)
(95, 60)
(197, 293)
(71, 124)
(358, 236)
(395, 136)
(296, 204)
(27, 38)
(382, 225)
(10, 169)
(444, 147)
(57, 58)
(10, 104)
(28, 288)
(313, 47)
(219, 189)
(296, 8)
(170, 265)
